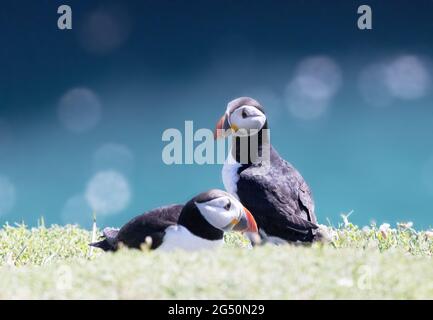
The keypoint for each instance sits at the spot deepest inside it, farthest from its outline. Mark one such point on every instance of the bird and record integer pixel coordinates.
(277, 195)
(199, 224)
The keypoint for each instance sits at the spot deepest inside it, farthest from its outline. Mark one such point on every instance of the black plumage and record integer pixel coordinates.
(280, 200)
(150, 225)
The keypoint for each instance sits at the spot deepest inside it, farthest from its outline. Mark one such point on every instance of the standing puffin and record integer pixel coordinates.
(275, 192)
(199, 224)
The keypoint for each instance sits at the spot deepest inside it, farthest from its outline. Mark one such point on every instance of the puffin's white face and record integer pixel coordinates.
(247, 118)
(227, 213)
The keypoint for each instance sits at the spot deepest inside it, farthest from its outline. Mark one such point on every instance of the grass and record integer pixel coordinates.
(373, 262)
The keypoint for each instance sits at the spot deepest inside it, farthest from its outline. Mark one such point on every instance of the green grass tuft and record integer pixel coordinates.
(373, 262)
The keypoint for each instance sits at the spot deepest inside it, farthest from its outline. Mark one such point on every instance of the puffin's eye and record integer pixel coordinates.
(244, 114)
(228, 206)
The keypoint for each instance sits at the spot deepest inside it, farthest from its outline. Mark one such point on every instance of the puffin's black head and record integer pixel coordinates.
(209, 214)
(244, 116)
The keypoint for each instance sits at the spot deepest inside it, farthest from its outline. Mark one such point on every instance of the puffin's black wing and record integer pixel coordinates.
(279, 199)
(151, 224)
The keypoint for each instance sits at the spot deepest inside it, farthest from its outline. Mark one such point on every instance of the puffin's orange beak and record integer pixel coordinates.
(252, 224)
(247, 223)
(221, 127)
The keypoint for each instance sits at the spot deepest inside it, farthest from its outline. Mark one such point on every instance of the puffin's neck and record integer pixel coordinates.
(249, 150)
(191, 218)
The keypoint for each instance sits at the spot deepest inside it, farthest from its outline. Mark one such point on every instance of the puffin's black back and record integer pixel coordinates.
(279, 199)
(151, 224)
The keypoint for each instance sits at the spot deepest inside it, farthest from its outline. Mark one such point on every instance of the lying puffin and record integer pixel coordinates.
(277, 195)
(199, 224)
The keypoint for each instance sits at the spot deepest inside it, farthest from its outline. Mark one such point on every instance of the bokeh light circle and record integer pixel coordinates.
(108, 192)
(105, 29)
(407, 77)
(79, 110)
(316, 81)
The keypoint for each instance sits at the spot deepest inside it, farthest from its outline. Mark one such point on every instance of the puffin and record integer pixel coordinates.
(270, 187)
(199, 224)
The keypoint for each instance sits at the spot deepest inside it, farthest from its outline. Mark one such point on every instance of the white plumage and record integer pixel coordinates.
(230, 175)
(178, 237)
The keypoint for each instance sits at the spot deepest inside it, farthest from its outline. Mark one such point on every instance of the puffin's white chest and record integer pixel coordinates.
(230, 175)
(179, 237)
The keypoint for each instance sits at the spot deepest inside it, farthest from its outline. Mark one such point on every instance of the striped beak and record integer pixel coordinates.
(247, 223)
(223, 128)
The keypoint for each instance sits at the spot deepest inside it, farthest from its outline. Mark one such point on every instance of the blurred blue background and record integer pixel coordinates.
(82, 111)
